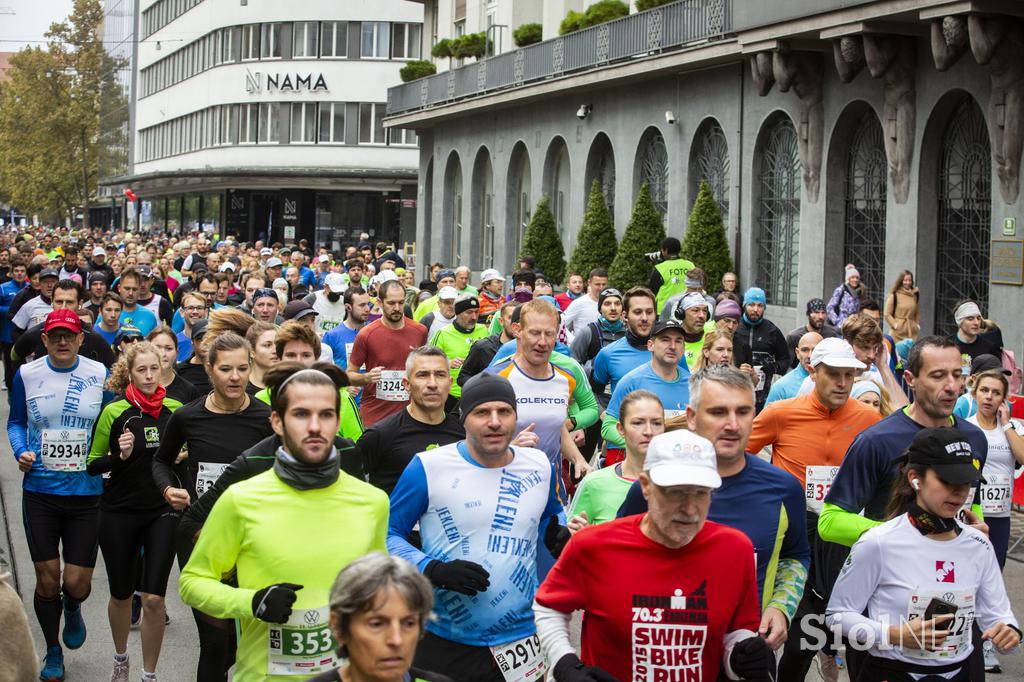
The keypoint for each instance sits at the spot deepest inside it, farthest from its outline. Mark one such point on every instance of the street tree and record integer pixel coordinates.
(595, 246)
(643, 235)
(543, 243)
(50, 116)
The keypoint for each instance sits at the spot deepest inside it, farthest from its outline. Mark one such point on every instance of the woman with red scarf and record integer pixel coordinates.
(134, 518)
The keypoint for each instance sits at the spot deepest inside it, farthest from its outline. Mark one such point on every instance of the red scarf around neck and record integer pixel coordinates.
(149, 404)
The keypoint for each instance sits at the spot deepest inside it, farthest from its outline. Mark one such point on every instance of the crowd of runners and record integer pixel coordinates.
(368, 470)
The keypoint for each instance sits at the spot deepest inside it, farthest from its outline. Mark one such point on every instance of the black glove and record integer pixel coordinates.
(571, 669)
(556, 537)
(274, 604)
(464, 577)
(753, 659)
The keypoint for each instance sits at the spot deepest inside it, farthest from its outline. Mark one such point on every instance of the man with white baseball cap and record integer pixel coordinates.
(809, 435)
(328, 304)
(492, 286)
(443, 314)
(684, 602)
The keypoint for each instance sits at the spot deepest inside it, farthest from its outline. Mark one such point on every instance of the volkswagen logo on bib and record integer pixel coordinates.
(312, 617)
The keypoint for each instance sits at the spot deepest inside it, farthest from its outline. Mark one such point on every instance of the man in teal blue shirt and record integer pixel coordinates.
(789, 385)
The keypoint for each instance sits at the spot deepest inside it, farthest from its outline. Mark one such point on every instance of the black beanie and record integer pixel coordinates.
(485, 388)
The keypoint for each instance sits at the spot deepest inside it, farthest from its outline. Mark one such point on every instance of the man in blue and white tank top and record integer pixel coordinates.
(55, 402)
(481, 505)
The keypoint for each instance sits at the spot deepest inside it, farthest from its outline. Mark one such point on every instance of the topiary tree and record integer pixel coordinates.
(643, 235)
(416, 69)
(641, 5)
(571, 23)
(705, 243)
(543, 242)
(596, 245)
(528, 34)
(604, 11)
(442, 49)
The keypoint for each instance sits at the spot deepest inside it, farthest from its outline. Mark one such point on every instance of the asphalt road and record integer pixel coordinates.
(180, 652)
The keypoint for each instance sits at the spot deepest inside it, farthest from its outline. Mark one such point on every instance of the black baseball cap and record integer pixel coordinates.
(97, 277)
(666, 325)
(986, 363)
(48, 272)
(298, 309)
(199, 329)
(948, 452)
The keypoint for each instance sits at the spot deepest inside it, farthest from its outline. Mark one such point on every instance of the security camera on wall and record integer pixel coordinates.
(670, 118)
(583, 111)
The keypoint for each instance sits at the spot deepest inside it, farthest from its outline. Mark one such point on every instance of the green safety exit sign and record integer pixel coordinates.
(1009, 227)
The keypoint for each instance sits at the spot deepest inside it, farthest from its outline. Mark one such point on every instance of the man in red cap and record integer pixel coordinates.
(55, 402)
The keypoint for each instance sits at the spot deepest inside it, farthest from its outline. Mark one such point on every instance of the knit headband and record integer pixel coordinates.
(968, 309)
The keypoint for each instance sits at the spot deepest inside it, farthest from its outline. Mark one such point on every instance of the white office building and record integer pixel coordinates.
(263, 119)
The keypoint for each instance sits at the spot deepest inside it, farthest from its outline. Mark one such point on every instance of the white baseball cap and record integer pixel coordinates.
(835, 352)
(274, 262)
(489, 275)
(682, 458)
(447, 294)
(227, 265)
(99, 251)
(324, 258)
(335, 282)
(265, 251)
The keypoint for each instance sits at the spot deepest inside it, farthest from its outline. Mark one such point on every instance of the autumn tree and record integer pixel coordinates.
(50, 116)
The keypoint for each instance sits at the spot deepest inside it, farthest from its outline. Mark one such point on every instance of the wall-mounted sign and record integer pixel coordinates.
(258, 81)
(1007, 262)
(1009, 227)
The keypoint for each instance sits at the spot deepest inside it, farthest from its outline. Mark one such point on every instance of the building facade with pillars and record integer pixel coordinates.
(264, 119)
(883, 133)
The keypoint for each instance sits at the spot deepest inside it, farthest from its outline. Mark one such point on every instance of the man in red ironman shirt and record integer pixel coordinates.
(684, 605)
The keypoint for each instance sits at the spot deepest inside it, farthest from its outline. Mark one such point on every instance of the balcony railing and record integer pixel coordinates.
(670, 27)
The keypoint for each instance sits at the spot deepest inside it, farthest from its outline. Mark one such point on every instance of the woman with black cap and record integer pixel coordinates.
(923, 577)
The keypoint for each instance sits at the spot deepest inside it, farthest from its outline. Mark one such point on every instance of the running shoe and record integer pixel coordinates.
(120, 673)
(167, 618)
(53, 665)
(136, 610)
(74, 627)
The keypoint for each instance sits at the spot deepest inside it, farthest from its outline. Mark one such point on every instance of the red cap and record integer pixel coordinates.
(63, 319)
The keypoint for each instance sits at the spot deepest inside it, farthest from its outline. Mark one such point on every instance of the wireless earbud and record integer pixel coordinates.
(915, 483)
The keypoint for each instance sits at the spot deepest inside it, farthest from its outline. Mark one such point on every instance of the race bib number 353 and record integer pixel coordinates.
(302, 646)
(64, 449)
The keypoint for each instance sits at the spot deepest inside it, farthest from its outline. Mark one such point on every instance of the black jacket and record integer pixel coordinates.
(768, 350)
(255, 460)
(480, 356)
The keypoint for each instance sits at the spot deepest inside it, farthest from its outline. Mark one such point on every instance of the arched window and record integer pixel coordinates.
(778, 214)
(601, 167)
(652, 162)
(864, 217)
(517, 200)
(483, 208)
(558, 186)
(964, 215)
(711, 165)
(453, 208)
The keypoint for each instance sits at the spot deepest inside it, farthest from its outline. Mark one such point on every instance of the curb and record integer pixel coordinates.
(7, 558)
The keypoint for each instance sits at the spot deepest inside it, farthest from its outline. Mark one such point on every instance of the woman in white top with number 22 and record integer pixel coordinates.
(923, 577)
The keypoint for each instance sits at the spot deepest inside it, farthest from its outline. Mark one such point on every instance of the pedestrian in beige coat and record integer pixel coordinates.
(903, 309)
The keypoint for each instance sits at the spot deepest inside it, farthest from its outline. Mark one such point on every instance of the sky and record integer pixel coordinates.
(29, 21)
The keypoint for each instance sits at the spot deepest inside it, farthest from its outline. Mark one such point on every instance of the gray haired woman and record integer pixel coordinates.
(379, 604)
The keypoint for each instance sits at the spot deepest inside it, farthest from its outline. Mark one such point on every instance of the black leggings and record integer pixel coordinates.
(123, 536)
(217, 642)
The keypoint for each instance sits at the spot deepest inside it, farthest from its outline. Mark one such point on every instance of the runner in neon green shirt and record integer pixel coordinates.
(458, 337)
(600, 494)
(270, 530)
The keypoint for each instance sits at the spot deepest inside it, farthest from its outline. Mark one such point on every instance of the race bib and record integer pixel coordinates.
(302, 646)
(760, 378)
(520, 661)
(208, 474)
(64, 449)
(390, 386)
(817, 481)
(959, 626)
(996, 494)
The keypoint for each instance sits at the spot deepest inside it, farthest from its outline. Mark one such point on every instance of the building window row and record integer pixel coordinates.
(299, 40)
(163, 12)
(256, 123)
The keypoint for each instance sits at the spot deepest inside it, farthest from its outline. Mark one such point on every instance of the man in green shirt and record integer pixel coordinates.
(272, 529)
(669, 276)
(457, 338)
